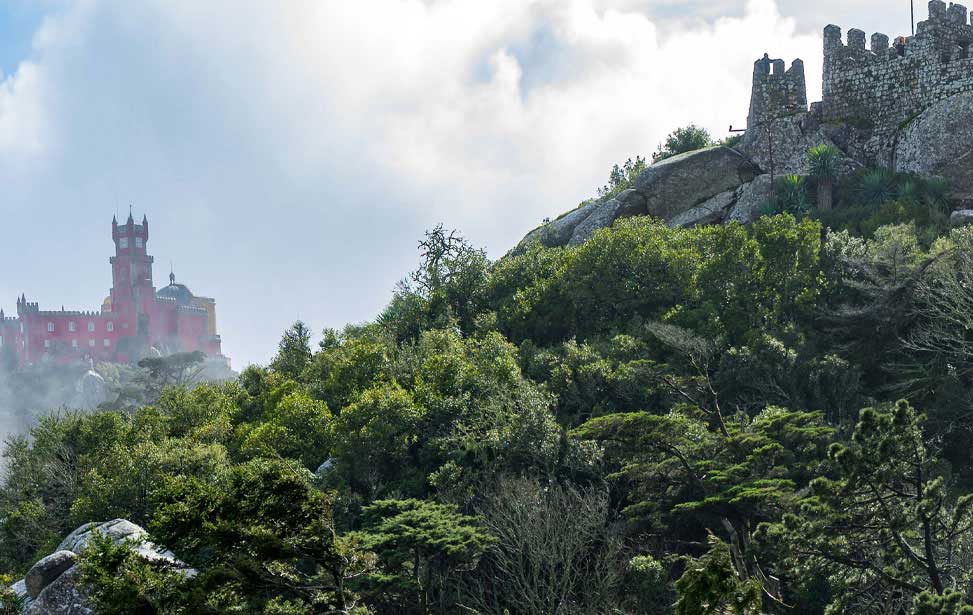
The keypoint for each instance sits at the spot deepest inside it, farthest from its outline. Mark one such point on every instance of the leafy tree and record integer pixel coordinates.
(122, 582)
(293, 352)
(710, 586)
(261, 533)
(420, 544)
(448, 286)
(622, 177)
(886, 524)
(181, 369)
(825, 162)
(682, 140)
(296, 427)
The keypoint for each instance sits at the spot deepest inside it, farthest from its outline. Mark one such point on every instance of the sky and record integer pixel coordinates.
(289, 155)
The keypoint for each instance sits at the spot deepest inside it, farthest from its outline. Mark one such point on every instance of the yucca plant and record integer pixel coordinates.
(825, 161)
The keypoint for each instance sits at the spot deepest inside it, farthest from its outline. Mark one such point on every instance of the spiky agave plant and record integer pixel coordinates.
(875, 187)
(791, 195)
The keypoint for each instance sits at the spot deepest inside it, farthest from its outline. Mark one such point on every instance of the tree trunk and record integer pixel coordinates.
(825, 188)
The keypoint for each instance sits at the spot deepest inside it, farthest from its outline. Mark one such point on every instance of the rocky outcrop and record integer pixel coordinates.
(678, 186)
(961, 217)
(781, 146)
(627, 203)
(53, 585)
(46, 571)
(939, 142)
(743, 205)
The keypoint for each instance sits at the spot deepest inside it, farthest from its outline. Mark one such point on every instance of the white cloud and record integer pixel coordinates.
(289, 156)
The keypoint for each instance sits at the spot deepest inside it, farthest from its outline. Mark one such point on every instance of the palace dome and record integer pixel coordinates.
(179, 292)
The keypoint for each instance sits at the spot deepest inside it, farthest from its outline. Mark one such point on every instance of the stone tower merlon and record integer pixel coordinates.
(776, 92)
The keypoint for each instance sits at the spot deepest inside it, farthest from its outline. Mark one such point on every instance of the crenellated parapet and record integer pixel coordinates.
(776, 92)
(883, 84)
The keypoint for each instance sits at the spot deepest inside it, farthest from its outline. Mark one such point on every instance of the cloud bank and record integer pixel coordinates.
(289, 157)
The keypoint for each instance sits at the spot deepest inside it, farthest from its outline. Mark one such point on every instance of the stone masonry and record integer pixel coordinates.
(874, 88)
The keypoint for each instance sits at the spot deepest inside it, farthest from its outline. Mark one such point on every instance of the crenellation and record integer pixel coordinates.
(832, 39)
(937, 10)
(856, 38)
(880, 44)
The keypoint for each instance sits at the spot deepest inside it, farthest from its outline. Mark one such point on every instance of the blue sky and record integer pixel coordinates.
(290, 155)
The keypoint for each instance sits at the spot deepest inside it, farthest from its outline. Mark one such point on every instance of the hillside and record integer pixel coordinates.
(714, 389)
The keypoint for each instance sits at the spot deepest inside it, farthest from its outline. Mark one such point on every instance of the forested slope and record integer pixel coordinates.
(765, 418)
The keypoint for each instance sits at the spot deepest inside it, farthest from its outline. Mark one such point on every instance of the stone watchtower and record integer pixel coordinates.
(776, 92)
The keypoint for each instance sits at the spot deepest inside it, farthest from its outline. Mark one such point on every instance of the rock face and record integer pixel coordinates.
(940, 142)
(46, 571)
(53, 587)
(667, 189)
(677, 184)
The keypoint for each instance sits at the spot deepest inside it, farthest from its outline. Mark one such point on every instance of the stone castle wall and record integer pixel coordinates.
(882, 87)
(875, 88)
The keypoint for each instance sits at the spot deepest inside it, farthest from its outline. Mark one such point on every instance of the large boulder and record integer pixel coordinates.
(743, 205)
(678, 184)
(53, 585)
(627, 203)
(708, 212)
(939, 142)
(44, 572)
(559, 231)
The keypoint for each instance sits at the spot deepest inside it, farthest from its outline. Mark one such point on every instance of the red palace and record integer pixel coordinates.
(135, 320)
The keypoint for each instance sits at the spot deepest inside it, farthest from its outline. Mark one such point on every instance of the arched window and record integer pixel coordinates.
(91, 326)
(50, 327)
(111, 327)
(71, 326)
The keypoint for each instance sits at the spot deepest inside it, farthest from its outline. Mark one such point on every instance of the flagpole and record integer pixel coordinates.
(912, 9)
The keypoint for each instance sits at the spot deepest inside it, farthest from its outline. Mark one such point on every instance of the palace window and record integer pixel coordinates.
(71, 326)
(91, 343)
(111, 327)
(138, 242)
(107, 342)
(47, 343)
(1, 341)
(123, 242)
(50, 327)
(74, 343)
(91, 327)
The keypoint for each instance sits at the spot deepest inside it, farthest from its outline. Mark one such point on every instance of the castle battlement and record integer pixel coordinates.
(874, 84)
(880, 86)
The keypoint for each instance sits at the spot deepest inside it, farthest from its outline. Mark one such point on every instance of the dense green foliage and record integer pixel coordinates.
(690, 421)
(682, 140)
